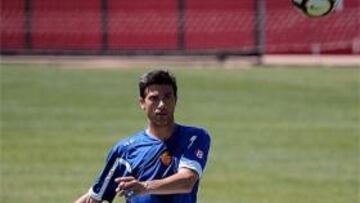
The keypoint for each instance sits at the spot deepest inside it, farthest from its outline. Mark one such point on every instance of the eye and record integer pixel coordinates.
(168, 96)
(153, 98)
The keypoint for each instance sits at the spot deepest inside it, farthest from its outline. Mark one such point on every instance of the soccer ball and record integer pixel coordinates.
(315, 8)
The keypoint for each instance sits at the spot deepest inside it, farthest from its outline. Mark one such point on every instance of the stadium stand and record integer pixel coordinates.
(168, 26)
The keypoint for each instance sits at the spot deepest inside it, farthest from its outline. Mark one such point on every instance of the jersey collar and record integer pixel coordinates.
(147, 132)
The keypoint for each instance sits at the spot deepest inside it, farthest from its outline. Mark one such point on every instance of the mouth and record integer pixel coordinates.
(162, 117)
(161, 113)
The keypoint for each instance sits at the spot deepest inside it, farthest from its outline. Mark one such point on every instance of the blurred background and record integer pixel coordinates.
(249, 27)
(278, 91)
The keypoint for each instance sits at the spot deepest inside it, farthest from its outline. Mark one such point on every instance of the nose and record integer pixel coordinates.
(161, 104)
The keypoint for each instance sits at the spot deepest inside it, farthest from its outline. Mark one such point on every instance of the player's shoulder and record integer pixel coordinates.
(131, 141)
(189, 131)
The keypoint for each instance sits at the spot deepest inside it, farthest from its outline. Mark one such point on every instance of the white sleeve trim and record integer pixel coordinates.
(191, 164)
(119, 161)
(126, 164)
(93, 195)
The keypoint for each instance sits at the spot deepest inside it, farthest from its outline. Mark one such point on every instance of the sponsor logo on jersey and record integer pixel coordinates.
(199, 154)
(192, 140)
(165, 158)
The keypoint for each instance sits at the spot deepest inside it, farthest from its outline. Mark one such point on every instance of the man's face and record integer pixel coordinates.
(159, 104)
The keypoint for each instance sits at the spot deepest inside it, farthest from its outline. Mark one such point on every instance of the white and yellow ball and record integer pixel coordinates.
(315, 8)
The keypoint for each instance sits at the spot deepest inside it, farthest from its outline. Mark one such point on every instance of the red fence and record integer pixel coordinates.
(289, 32)
(12, 24)
(28, 26)
(139, 24)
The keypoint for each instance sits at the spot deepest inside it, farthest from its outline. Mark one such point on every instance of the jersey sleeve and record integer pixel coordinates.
(196, 152)
(115, 166)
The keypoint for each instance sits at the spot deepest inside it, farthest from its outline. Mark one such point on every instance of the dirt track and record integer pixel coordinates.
(118, 62)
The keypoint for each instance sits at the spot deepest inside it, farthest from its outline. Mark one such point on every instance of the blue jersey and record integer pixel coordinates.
(147, 158)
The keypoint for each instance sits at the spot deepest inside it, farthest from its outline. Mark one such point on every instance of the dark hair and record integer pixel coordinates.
(157, 77)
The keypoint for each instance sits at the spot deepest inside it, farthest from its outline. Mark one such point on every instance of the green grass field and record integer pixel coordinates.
(279, 135)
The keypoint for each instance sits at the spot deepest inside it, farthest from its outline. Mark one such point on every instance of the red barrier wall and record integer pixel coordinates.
(71, 24)
(216, 24)
(139, 24)
(12, 24)
(153, 25)
(288, 31)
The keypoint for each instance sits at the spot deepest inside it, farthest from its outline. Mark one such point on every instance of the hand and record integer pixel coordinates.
(129, 187)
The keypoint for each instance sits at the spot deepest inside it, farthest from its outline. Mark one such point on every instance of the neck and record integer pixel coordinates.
(161, 132)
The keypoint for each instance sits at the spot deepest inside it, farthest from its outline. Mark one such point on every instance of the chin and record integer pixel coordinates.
(163, 123)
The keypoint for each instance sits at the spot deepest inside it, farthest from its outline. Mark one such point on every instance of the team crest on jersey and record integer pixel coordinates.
(165, 158)
(199, 154)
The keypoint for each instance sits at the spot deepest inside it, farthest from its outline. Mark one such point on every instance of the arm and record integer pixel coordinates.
(86, 199)
(103, 188)
(181, 182)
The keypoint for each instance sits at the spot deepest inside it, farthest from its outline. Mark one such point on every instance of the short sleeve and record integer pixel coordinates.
(196, 152)
(115, 166)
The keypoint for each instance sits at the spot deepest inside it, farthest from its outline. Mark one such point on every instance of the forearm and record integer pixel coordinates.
(181, 182)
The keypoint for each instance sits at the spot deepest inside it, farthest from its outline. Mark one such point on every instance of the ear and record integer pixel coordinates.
(142, 103)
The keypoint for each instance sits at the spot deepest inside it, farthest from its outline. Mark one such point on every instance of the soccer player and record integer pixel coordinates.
(161, 164)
